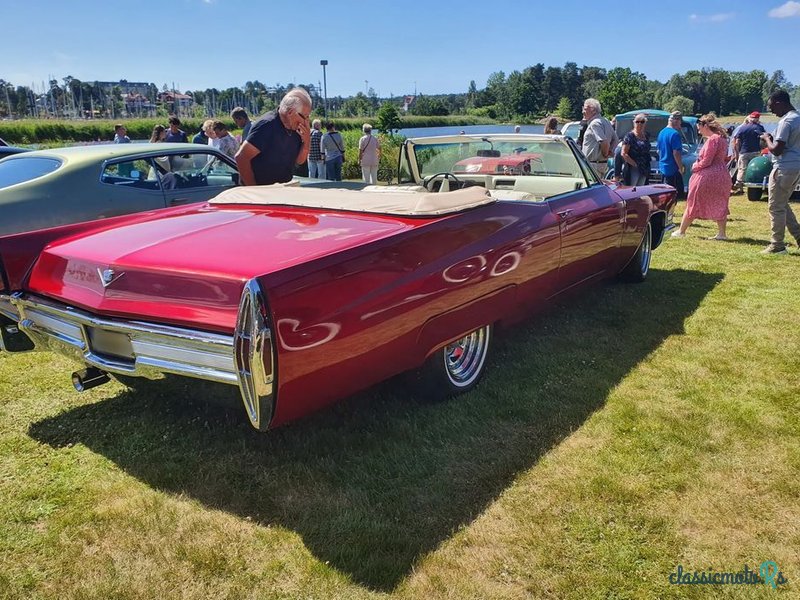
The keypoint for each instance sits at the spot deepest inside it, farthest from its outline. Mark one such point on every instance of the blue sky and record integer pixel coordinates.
(436, 46)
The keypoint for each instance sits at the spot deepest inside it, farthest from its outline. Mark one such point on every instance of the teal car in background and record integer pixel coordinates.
(757, 175)
(656, 121)
(46, 188)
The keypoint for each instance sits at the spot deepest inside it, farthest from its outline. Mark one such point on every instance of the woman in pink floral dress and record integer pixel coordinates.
(710, 184)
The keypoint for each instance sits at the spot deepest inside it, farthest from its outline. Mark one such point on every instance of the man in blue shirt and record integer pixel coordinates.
(174, 133)
(785, 175)
(747, 145)
(670, 145)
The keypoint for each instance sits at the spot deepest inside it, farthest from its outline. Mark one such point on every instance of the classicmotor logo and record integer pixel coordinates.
(767, 574)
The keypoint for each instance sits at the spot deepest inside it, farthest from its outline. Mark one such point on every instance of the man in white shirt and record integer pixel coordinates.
(785, 175)
(600, 138)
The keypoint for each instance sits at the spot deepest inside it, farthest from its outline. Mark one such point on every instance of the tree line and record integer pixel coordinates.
(537, 91)
(523, 96)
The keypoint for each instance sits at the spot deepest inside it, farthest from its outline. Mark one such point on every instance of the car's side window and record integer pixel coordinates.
(202, 169)
(138, 173)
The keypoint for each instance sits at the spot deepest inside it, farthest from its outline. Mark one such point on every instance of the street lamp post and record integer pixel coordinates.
(324, 64)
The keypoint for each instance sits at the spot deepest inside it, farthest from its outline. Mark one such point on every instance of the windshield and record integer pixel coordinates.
(654, 127)
(551, 158)
(572, 130)
(18, 170)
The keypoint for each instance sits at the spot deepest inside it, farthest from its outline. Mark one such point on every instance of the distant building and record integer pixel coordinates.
(137, 104)
(125, 86)
(175, 101)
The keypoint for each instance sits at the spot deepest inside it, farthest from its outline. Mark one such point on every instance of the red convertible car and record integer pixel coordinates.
(302, 296)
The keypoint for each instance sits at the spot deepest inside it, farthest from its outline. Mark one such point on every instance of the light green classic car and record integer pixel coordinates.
(46, 188)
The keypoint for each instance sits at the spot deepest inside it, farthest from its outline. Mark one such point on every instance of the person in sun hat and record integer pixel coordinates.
(746, 145)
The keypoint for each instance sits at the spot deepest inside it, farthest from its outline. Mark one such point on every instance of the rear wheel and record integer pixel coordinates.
(754, 194)
(459, 366)
(637, 269)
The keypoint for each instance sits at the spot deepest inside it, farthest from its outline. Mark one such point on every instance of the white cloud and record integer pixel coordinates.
(715, 18)
(784, 11)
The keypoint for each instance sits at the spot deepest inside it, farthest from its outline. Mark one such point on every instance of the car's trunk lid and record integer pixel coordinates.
(190, 268)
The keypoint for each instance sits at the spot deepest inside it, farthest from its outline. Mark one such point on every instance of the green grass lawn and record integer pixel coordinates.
(625, 432)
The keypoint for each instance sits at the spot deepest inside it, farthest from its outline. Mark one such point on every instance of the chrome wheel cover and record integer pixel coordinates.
(647, 250)
(464, 358)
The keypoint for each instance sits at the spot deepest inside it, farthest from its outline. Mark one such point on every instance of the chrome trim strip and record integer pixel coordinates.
(155, 348)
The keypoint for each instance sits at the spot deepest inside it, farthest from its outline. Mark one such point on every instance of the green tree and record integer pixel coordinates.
(572, 79)
(778, 81)
(472, 94)
(552, 88)
(621, 91)
(681, 103)
(564, 109)
(356, 106)
(388, 118)
(534, 76)
(519, 97)
(427, 105)
(749, 86)
(495, 89)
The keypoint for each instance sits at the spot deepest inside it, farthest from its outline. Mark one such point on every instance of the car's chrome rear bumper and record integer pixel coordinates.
(122, 346)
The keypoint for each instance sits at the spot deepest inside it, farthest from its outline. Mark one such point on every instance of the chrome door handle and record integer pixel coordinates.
(564, 213)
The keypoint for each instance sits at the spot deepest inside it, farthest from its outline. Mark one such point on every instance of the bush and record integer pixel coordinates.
(51, 131)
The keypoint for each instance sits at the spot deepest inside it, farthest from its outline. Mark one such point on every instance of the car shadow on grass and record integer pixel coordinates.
(381, 479)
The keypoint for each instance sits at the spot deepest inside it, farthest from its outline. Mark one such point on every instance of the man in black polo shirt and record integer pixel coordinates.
(277, 142)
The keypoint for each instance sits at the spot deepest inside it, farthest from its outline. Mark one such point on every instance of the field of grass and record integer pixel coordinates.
(625, 432)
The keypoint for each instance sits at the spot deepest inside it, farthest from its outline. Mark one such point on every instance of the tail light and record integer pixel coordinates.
(254, 356)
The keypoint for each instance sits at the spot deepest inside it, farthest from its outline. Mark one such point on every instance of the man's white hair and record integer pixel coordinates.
(294, 99)
(594, 104)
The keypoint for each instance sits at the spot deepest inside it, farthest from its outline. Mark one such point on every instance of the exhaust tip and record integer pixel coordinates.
(89, 378)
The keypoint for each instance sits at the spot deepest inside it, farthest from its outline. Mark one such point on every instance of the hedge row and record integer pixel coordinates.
(47, 131)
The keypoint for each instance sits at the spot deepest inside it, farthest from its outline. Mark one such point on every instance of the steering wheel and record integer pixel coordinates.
(446, 177)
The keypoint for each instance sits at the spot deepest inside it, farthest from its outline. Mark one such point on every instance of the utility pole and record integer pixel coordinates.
(324, 64)
(8, 103)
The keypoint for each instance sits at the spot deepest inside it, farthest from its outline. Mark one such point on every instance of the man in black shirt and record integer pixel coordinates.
(277, 142)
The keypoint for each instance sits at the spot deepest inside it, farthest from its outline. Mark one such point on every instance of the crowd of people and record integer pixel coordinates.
(281, 139)
(269, 150)
(710, 185)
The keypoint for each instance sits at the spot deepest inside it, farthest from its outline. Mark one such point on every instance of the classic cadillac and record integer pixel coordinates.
(301, 296)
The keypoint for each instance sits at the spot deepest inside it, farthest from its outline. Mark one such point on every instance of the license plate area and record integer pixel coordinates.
(110, 343)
